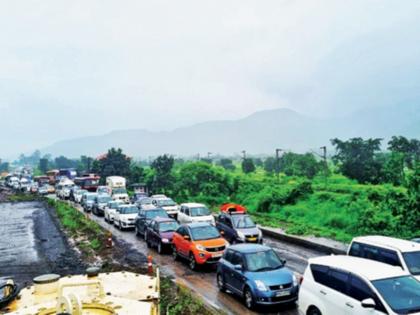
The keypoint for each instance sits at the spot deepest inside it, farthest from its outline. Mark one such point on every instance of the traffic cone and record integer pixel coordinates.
(149, 265)
(108, 241)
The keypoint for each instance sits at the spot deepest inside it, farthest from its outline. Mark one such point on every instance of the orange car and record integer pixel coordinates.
(200, 243)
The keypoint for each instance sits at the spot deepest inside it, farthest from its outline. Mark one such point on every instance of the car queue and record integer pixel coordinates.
(377, 276)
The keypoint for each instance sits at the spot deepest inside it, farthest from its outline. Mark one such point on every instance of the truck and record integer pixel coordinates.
(118, 189)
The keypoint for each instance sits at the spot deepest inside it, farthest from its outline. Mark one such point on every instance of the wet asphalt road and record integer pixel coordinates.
(32, 244)
(204, 281)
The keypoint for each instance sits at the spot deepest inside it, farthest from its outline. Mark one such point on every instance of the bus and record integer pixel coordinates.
(52, 175)
(89, 182)
(70, 173)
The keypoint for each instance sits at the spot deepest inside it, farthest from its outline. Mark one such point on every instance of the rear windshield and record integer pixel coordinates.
(165, 202)
(199, 211)
(129, 210)
(151, 214)
(204, 233)
(104, 199)
(168, 226)
(242, 222)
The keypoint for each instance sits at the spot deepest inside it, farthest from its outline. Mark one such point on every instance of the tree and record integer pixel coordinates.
(43, 165)
(227, 164)
(393, 168)
(293, 164)
(356, 159)
(137, 174)
(163, 178)
(85, 164)
(248, 166)
(258, 162)
(270, 165)
(114, 163)
(409, 148)
(4, 167)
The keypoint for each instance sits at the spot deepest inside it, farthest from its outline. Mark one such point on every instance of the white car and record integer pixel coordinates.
(195, 212)
(168, 205)
(389, 250)
(125, 216)
(111, 209)
(78, 195)
(357, 286)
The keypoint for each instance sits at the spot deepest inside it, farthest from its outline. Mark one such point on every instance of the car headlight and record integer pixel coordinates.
(165, 240)
(241, 235)
(260, 285)
(295, 281)
(200, 247)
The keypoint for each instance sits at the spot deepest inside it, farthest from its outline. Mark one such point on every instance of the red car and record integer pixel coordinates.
(159, 233)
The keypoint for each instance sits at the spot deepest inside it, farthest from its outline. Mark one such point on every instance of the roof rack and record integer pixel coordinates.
(232, 208)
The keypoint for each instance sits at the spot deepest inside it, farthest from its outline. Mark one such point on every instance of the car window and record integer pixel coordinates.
(237, 259)
(412, 260)
(320, 274)
(221, 218)
(181, 231)
(206, 232)
(243, 222)
(261, 261)
(390, 257)
(371, 252)
(228, 222)
(199, 211)
(228, 255)
(360, 290)
(338, 280)
(355, 250)
(151, 214)
(168, 226)
(187, 211)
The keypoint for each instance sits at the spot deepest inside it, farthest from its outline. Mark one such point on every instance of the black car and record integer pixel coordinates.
(144, 217)
(159, 233)
(238, 228)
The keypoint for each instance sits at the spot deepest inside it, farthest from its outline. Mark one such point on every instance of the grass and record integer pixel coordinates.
(22, 197)
(178, 300)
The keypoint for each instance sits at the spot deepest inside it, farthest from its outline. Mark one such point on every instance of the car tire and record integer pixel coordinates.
(160, 248)
(313, 310)
(120, 226)
(248, 299)
(149, 244)
(106, 220)
(174, 253)
(192, 263)
(221, 283)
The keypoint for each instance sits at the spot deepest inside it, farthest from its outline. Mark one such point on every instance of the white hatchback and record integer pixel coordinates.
(125, 216)
(357, 286)
(194, 212)
(111, 209)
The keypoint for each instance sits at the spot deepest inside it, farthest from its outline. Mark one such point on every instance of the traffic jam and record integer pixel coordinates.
(379, 274)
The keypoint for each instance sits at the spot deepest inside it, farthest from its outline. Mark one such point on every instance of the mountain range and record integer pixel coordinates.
(259, 133)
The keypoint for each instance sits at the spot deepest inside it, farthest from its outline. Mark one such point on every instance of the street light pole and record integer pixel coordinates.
(244, 154)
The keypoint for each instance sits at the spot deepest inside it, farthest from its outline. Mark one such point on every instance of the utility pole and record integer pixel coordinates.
(278, 162)
(244, 154)
(324, 157)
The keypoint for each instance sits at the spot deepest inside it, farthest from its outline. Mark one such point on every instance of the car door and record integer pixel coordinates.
(237, 277)
(154, 230)
(227, 267)
(138, 220)
(229, 231)
(328, 290)
(358, 291)
(183, 244)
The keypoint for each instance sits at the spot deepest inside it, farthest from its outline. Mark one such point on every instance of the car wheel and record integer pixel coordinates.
(313, 310)
(248, 299)
(174, 253)
(106, 220)
(160, 248)
(220, 283)
(119, 225)
(192, 263)
(148, 242)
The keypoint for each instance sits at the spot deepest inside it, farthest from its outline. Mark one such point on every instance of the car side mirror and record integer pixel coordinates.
(237, 267)
(368, 303)
(284, 261)
(186, 237)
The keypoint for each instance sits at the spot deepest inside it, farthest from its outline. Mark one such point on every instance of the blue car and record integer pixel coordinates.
(257, 274)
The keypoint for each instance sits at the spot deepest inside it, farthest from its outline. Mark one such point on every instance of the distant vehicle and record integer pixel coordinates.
(42, 180)
(101, 201)
(257, 274)
(51, 189)
(118, 190)
(194, 212)
(24, 184)
(52, 175)
(13, 182)
(140, 191)
(144, 218)
(357, 286)
(70, 173)
(125, 215)
(168, 205)
(159, 233)
(389, 250)
(88, 199)
(158, 196)
(43, 190)
(200, 243)
(78, 194)
(103, 190)
(34, 188)
(145, 201)
(63, 188)
(111, 209)
(236, 226)
(89, 182)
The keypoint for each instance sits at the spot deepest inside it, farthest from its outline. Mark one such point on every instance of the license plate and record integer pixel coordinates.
(216, 255)
(252, 239)
(283, 293)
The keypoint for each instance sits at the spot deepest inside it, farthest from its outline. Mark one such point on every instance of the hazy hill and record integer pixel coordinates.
(260, 132)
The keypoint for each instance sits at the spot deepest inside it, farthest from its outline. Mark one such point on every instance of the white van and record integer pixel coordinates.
(389, 250)
(357, 286)
(118, 190)
(194, 212)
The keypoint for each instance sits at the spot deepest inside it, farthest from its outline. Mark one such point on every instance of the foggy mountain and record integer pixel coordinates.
(258, 133)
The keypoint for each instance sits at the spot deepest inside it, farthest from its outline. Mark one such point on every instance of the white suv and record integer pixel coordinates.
(351, 285)
(195, 212)
(389, 250)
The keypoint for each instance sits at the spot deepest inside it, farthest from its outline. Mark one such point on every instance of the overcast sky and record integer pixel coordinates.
(76, 68)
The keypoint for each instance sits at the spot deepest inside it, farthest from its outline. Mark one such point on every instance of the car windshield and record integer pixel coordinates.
(204, 233)
(119, 191)
(243, 221)
(413, 262)
(199, 211)
(129, 210)
(80, 192)
(146, 201)
(165, 202)
(90, 197)
(151, 214)
(263, 261)
(168, 226)
(104, 199)
(401, 293)
(103, 190)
